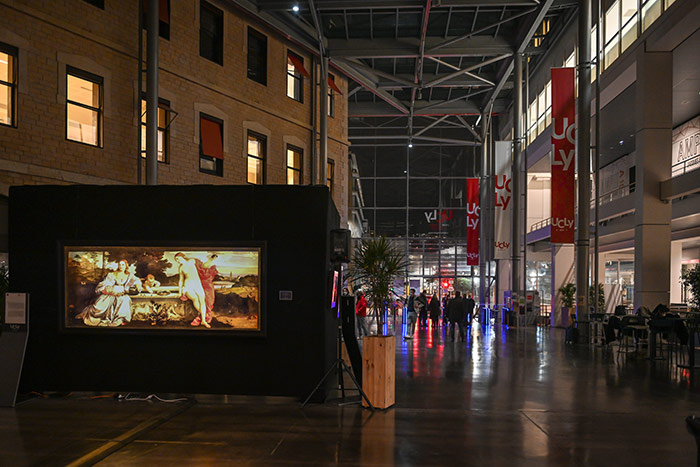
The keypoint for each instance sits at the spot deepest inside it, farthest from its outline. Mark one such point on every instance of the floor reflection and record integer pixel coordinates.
(516, 396)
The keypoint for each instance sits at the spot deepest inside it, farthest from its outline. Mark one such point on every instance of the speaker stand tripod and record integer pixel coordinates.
(340, 367)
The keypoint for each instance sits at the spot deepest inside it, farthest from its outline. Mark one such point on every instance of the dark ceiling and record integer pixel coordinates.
(420, 66)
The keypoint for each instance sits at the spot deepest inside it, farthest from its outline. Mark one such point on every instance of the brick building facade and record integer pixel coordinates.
(47, 40)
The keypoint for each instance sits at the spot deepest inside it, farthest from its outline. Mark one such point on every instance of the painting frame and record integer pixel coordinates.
(259, 247)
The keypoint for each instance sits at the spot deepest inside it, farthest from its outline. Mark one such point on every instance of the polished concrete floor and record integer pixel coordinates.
(505, 397)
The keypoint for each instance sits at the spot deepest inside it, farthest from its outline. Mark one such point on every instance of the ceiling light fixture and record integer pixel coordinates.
(295, 8)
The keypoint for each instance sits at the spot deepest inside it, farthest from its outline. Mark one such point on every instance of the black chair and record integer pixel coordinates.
(627, 330)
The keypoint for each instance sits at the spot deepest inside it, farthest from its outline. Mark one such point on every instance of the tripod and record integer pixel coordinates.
(340, 367)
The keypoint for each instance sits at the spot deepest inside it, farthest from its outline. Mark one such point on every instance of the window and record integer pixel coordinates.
(97, 3)
(257, 56)
(8, 84)
(651, 9)
(331, 96)
(294, 158)
(83, 107)
(612, 38)
(211, 33)
(163, 18)
(594, 49)
(330, 174)
(211, 147)
(295, 74)
(163, 123)
(629, 23)
(256, 158)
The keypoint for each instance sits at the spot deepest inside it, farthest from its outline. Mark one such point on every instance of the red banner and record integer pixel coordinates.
(472, 222)
(563, 155)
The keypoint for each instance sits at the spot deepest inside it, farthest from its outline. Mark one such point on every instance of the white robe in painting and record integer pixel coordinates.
(113, 305)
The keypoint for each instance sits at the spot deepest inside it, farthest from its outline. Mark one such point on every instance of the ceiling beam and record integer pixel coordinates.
(469, 127)
(422, 138)
(435, 123)
(533, 24)
(466, 70)
(408, 47)
(392, 4)
(479, 31)
(368, 84)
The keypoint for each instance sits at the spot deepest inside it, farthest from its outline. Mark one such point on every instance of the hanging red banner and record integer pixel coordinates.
(563, 155)
(472, 222)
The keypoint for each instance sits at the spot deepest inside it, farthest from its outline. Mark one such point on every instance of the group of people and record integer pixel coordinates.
(458, 310)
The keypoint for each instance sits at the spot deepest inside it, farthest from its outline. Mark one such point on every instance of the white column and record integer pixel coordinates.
(676, 261)
(652, 233)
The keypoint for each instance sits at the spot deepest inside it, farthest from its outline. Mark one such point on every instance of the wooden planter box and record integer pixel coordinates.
(379, 370)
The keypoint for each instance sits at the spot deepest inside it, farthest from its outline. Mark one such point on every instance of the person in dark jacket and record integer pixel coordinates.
(470, 304)
(456, 313)
(422, 305)
(434, 309)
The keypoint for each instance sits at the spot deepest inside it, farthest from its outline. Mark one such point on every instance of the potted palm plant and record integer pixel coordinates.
(567, 293)
(376, 264)
(691, 280)
(600, 296)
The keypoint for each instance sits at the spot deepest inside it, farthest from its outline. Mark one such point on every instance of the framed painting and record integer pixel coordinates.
(208, 289)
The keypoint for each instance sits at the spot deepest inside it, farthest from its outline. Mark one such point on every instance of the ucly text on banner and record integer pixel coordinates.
(502, 205)
(563, 155)
(472, 222)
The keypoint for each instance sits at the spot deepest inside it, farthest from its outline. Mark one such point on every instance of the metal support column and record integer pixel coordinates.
(483, 210)
(323, 98)
(583, 144)
(596, 161)
(152, 94)
(517, 164)
(524, 168)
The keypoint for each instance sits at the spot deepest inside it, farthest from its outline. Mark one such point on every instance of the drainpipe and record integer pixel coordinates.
(152, 94)
(324, 121)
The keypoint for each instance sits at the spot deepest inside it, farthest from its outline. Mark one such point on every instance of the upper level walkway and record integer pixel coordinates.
(504, 397)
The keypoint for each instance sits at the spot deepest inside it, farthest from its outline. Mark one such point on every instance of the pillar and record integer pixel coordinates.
(676, 269)
(652, 231)
(562, 273)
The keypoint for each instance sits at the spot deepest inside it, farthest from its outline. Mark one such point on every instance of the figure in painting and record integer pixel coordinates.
(190, 287)
(207, 273)
(149, 283)
(113, 305)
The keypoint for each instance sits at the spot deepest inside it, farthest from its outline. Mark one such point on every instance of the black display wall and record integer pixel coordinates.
(300, 334)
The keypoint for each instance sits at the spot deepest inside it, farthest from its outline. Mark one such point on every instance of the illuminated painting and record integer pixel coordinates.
(163, 288)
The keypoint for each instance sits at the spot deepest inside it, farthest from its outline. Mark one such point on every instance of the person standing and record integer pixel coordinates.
(411, 312)
(434, 309)
(445, 300)
(361, 312)
(422, 305)
(456, 313)
(470, 304)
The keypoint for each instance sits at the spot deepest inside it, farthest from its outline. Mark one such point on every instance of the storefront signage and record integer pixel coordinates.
(502, 205)
(472, 222)
(685, 144)
(563, 152)
(439, 216)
